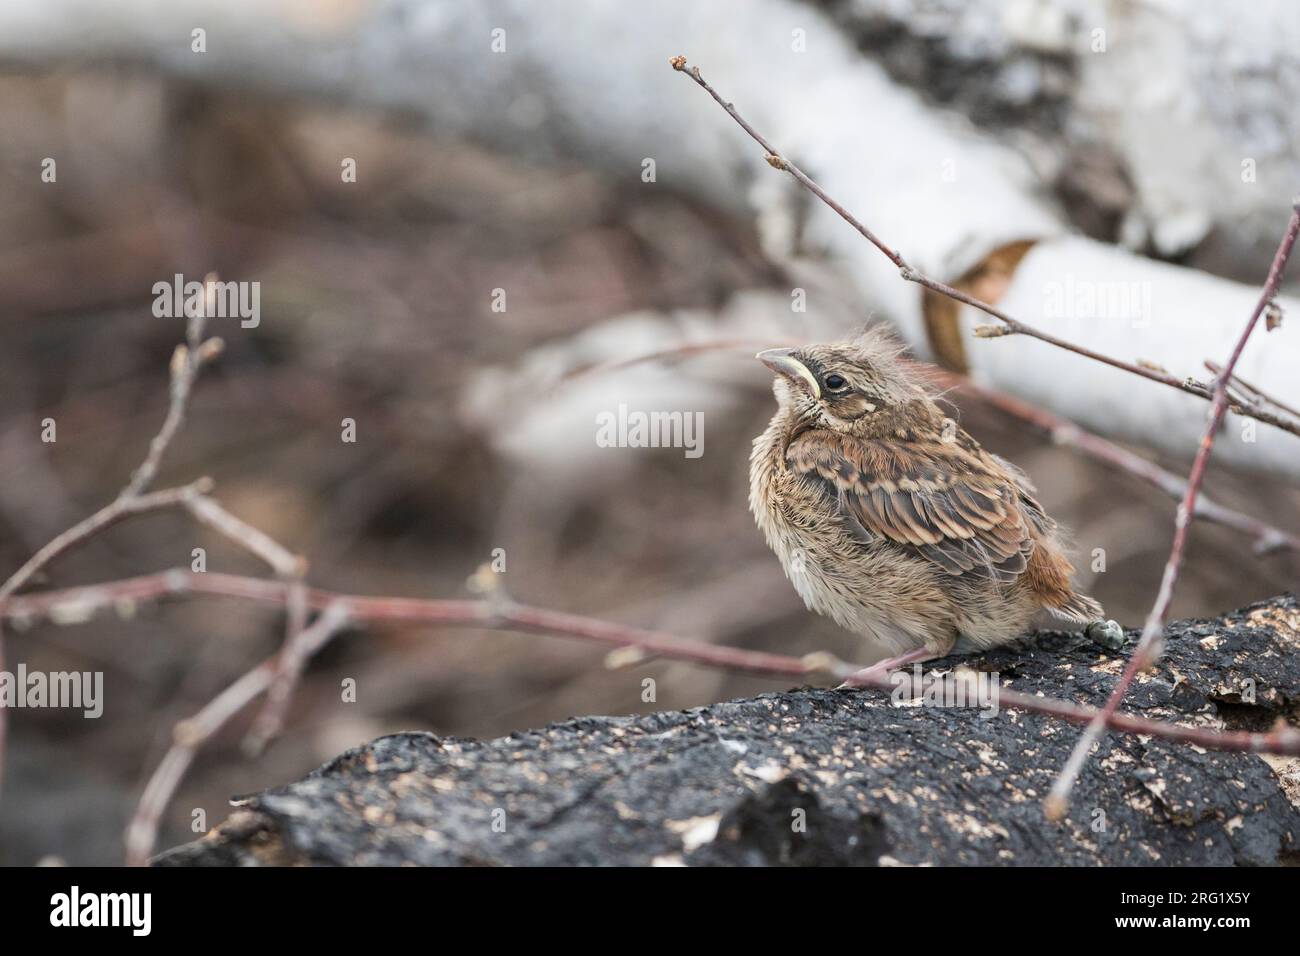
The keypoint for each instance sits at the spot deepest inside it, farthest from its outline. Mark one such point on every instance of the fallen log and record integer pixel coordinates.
(828, 777)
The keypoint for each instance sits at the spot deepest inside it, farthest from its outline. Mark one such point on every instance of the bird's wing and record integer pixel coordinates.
(951, 504)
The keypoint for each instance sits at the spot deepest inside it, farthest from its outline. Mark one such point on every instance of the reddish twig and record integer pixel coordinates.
(777, 161)
(1148, 649)
(1253, 393)
(188, 360)
(102, 519)
(187, 737)
(77, 534)
(292, 658)
(186, 363)
(191, 734)
(77, 602)
(1267, 538)
(281, 560)
(493, 614)
(496, 615)
(1009, 325)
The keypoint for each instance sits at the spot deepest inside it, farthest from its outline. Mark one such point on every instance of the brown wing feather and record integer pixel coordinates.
(953, 506)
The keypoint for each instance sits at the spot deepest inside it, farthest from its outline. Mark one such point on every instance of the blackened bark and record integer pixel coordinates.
(826, 777)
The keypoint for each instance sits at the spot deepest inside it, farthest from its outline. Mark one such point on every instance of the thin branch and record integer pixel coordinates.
(632, 645)
(494, 615)
(1010, 325)
(283, 561)
(79, 602)
(1254, 394)
(187, 361)
(189, 735)
(122, 507)
(298, 648)
(1148, 649)
(102, 519)
(777, 161)
(1267, 538)
(1218, 396)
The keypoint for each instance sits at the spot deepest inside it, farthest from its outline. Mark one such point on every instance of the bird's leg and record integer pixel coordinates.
(882, 668)
(1106, 633)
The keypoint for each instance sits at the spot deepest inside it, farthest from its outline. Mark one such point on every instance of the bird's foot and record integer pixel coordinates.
(872, 675)
(1106, 633)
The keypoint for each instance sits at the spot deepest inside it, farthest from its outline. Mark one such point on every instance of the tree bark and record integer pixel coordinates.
(827, 777)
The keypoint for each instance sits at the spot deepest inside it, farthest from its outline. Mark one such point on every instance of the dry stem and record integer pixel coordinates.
(1010, 325)
(1148, 649)
(493, 614)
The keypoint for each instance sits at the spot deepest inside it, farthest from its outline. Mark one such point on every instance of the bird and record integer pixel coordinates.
(889, 518)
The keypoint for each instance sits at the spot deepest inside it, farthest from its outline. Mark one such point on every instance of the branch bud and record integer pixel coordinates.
(179, 359)
(622, 657)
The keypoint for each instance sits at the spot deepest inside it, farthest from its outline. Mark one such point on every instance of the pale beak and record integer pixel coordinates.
(783, 362)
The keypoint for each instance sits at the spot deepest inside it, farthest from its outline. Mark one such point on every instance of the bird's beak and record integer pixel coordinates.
(783, 362)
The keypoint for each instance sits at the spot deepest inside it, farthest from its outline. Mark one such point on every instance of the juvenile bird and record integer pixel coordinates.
(889, 518)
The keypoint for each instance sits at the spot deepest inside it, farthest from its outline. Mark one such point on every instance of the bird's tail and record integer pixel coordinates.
(1078, 608)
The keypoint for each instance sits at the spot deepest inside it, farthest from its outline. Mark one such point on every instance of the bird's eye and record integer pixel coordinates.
(835, 383)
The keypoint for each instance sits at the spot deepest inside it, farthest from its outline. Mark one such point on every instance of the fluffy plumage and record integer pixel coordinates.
(889, 518)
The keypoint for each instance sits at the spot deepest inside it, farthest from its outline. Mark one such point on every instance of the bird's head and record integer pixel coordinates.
(843, 387)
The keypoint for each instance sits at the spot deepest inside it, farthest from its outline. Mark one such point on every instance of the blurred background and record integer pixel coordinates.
(476, 427)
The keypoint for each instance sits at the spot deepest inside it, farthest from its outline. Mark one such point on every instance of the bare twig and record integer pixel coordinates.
(1148, 649)
(77, 603)
(299, 645)
(1009, 325)
(283, 561)
(103, 518)
(1218, 396)
(777, 161)
(1267, 538)
(122, 507)
(187, 361)
(1253, 393)
(189, 735)
(338, 609)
